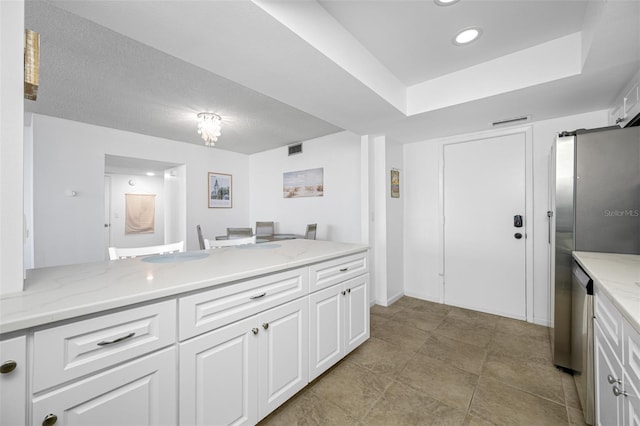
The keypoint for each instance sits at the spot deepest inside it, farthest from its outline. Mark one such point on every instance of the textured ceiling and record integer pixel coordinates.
(94, 75)
(283, 71)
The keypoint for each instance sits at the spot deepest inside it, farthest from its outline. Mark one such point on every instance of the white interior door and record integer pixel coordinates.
(484, 262)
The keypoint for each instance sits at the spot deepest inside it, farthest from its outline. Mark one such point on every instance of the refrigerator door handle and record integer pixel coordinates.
(549, 215)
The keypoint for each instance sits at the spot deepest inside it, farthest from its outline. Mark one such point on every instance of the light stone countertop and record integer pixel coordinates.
(618, 275)
(63, 292)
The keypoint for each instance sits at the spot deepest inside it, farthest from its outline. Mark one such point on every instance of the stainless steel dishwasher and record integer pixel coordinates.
(582, 339)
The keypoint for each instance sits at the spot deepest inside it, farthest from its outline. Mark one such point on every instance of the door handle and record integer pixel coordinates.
(517, 235)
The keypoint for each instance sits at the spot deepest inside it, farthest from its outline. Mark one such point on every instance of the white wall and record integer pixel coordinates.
(337, 212)
(11, 151)
(70, 155)
(143, 185)
(422, 249)
(175, 204)
(395, 225)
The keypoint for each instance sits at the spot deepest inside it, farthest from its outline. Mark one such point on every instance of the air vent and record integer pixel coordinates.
(507, 121)
(295, 149)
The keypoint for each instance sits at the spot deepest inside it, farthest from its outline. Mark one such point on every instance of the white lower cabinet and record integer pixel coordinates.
(338, 323)
(141, 392)
(241, 372)
(13, 381)
(617, 366)
(608, 369)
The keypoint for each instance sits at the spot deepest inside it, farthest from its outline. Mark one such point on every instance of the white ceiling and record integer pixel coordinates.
(284, 71)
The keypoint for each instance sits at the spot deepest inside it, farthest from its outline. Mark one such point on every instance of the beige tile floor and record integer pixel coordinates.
(432, 364)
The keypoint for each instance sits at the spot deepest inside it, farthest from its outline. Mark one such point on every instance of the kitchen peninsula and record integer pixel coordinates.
(223, 335)
(616, 336)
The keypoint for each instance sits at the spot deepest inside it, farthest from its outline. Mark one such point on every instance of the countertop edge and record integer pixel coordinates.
(585, 260)
(24, 322)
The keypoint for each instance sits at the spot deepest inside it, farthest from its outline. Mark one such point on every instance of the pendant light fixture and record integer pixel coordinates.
(209, 127)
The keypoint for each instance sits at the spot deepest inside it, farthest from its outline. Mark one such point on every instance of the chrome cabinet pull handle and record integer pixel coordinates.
(8, 366)
(119, 339)
(344, 292)
(618, 392)
(612, 380)
(348, 290)
(344, 269)
(265, 325)
(49, 420)
(258, 296)
(255, 330)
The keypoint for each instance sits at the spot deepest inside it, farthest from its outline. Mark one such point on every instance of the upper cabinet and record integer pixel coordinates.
(627, 103)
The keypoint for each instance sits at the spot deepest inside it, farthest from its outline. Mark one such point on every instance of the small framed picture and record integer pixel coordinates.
(220, 194)
(395, 183)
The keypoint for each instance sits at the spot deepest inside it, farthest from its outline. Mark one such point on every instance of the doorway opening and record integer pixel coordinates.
(165, 182)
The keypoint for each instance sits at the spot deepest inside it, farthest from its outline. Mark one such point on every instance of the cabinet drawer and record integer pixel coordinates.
(610, 321)
(325, 274)
(215, 308)
(140, 392)
(70, 351)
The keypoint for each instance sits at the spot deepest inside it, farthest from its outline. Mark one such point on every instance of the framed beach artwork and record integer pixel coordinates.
(395, 183)
(303, 183)
(220, 193)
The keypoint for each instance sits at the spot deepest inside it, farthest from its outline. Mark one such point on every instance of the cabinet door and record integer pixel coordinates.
(631, 402)
(141, 392)
(326, 329)
(283, 354)
(608, 405)
(218, 376)
(356, 317)
(13, 381)
(631, 381)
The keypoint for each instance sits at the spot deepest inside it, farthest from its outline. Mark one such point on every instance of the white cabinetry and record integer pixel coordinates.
(13, 381)
(218, 376)
(338, 323)
(235, 352)
(627, 103)
(97, 372)
(241, 372)
(617, 366)
(141, 392)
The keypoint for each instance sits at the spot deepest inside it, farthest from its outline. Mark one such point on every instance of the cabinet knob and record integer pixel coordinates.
(613, 380)
(265, 325)
(50, 420)
(618, 392)
(8, 366)
(619, 120)
(255, 330)
(344, 292)
(348, 290)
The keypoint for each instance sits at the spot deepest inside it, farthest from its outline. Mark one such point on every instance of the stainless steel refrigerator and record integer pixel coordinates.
(594, 206)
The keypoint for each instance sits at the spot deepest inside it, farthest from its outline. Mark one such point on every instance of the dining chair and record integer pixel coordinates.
(239, 233)
(116, 253)
(209, 244)
(311, 231)
(200, 237)
(264, 229)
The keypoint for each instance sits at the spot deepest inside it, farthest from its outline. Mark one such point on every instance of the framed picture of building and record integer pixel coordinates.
(220, 191)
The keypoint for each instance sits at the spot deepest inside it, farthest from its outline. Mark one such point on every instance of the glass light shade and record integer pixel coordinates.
(209, 127)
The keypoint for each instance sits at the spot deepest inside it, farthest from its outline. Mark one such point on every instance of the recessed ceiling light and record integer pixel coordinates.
(445, 2)
(467, 36)
(150, 174)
